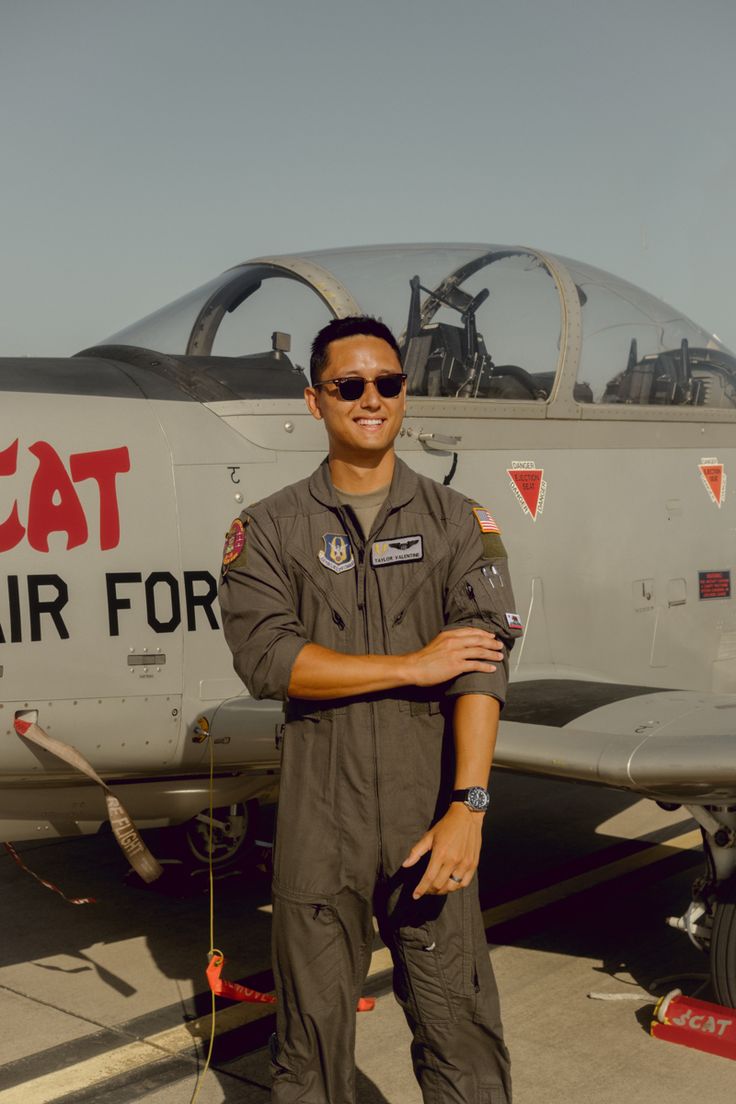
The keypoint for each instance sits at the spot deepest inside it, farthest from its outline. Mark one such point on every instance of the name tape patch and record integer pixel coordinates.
(397, 550)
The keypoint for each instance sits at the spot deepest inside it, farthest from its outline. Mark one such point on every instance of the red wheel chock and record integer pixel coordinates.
(695, 1023)
(233, 991)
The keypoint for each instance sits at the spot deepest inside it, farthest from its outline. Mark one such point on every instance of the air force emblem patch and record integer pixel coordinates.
(398, 550)
(337, 554)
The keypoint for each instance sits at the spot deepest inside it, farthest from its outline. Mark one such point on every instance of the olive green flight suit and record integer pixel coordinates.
(363, 778)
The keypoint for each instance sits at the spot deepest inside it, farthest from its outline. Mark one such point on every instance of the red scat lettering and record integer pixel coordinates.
(54, 506)
(103, 467)
(11, 530)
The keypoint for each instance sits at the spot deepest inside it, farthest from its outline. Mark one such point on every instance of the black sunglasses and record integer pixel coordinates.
(352, 387)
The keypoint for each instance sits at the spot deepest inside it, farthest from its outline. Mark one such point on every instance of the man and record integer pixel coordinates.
(377, 604)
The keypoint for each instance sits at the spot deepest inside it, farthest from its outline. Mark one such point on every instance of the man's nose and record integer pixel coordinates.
(370, 398)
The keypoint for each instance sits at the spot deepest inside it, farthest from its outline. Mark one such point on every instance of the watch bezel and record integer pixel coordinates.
(478, 799)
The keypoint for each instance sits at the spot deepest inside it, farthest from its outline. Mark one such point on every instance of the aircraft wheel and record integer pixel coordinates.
(723, 945)
(233, 832)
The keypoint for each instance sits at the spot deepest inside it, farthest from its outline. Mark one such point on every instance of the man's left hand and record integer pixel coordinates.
(454, 843)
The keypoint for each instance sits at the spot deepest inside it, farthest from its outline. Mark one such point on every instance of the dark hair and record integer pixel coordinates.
(359, 325)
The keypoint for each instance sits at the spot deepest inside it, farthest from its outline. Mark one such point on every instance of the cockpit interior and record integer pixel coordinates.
(474, 322)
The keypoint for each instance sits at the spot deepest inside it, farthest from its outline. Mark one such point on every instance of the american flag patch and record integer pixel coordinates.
(485, 520)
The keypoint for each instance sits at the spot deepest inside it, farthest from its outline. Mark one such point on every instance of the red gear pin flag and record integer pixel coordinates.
(233, 990)
(713, 474)
(529, 486)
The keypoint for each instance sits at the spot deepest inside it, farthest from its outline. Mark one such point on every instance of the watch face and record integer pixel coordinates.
(478, 798)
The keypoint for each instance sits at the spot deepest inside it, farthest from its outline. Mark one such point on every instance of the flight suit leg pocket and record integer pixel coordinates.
(306, 821)
(307, 962)
(422, 985)
(485, 1000)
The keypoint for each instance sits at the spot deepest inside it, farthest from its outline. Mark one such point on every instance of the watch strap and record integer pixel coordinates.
(464, 796)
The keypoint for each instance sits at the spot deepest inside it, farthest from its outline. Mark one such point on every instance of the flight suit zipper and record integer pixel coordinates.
(363, 607)
(378, 522)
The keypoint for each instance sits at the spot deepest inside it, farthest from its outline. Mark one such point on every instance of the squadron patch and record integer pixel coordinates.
(486, 520)
(398, 550)
(337, 553)
(234, 544)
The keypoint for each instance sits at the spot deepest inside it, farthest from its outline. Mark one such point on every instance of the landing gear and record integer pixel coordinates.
(233, 836)
(710, 920)
(723, 945)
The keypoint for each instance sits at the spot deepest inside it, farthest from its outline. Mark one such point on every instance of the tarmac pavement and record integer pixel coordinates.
(108, 1003)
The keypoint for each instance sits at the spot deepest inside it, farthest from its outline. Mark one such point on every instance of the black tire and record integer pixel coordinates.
(192, 838)
(723, 945)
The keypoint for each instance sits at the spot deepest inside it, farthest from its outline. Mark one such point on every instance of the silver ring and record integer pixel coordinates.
(454, 878)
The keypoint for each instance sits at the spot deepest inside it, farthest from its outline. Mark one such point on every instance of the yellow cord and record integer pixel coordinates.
(213, 950)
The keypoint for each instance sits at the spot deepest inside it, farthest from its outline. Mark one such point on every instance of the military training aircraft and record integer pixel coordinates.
(594, 421)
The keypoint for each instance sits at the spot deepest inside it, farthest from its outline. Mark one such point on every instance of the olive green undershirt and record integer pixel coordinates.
(364, 506)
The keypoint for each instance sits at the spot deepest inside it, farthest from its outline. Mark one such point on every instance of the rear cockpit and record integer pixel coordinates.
(477, 324)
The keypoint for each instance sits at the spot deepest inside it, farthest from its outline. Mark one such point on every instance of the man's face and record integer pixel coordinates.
(365, 425)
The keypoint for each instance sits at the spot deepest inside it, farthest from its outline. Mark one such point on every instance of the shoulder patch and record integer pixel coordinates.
(234, 544)
(485, 520)
(493, 546)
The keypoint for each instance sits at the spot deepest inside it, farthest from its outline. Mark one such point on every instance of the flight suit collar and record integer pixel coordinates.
(402, 490)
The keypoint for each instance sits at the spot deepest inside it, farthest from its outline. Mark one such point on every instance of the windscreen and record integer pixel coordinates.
(638, 350)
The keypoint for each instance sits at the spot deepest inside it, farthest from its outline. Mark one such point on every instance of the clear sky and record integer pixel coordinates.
(148, 144)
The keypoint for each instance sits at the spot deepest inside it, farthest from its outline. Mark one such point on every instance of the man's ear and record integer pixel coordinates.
(311, 398)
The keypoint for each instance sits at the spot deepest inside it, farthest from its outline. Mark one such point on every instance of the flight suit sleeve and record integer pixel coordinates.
(259, 617)
(479, 594)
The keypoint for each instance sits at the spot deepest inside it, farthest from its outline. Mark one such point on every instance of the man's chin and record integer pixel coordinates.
(374, 451)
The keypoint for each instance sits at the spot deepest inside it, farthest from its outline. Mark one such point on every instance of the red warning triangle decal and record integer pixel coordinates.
(528, 484)
(714, 479)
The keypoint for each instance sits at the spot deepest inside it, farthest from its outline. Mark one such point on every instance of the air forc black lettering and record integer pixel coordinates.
(165, 579)
(114, 601)
(163, 599)
(206, 600)
(16, 632)
(38, 604)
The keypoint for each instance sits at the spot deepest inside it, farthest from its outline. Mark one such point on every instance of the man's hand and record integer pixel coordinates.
(452, 653)
(454, 842)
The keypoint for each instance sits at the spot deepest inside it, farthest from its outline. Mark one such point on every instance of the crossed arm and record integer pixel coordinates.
(454, 841)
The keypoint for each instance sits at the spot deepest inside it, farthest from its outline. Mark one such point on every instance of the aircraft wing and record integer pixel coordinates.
(670, 745)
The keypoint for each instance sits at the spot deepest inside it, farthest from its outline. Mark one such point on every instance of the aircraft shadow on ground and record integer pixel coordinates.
(621, 922)
(172, 916)
(536, 830)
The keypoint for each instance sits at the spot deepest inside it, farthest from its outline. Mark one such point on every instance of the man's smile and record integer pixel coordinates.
(371, 423)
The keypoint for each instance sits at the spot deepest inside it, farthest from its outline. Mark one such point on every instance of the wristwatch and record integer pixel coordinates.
(475, 798)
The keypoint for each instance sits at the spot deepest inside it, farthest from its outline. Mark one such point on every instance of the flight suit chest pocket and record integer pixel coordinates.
(324, 603)
(413, 603)
(426, 990)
